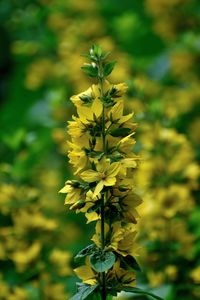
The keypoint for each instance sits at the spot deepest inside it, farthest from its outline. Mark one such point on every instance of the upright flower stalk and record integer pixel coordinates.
(101, 152)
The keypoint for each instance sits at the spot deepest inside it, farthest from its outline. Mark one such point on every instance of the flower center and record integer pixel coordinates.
(102, 175)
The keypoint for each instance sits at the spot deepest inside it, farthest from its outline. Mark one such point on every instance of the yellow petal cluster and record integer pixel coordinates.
(101, 152)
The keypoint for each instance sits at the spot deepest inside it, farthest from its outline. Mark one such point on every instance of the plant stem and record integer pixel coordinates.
(103, 295)
(103, 274)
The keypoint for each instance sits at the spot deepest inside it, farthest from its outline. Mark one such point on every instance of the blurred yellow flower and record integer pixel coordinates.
(61, 259)
(155, 278)
(195, 275)
(26, 256)
(18, 294)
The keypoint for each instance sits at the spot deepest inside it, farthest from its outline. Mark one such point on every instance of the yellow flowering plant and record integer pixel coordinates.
(101, 152)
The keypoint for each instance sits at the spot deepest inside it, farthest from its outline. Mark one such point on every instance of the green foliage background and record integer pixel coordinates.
(157, 46)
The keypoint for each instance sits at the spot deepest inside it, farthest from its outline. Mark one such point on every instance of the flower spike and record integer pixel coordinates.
(101, 142)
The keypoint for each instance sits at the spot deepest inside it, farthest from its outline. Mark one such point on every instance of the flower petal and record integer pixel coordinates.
(90, 175)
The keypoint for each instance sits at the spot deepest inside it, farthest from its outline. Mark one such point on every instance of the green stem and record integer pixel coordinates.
(103, 278)
(103, 274)
(102, 225)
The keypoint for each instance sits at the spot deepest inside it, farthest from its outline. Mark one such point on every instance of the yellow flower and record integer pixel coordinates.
(105, 174)
(128, 205)
(92, 216)
(60, 259)
(123, 239)
(90, 201)
(73, 193)
(4, 291)
(34, 220)
(127, 163)
(91, 197)
(167, 203)
(121, 276)
(76, 128)
(77, 157)
(195, 275)
(116, 113)
(55, 291)
(23, 257)
(86, 273)
(97, 236)
(88, 114)
(125, 145)
(120, 89)
(171, 272)
(155, 279)
(18, 294)
(83, 98)
(88, 96)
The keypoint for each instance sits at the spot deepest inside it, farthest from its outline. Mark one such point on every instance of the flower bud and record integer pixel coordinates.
(78, 205)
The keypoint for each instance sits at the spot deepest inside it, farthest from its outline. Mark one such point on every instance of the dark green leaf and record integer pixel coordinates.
(130, 263)
(78, 205)
(107, 69)
(102, 261)
(90, 70)
(116, 157)
(95, 296)
(120, 132)
(140, 291)
(113, 214)
(96, 154)
(86, 98)
(86, 251)
(123, 188)
(84, 291)
(112, 291)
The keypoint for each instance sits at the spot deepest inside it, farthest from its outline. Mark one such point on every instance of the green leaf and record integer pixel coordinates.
(105, 55)
(14, 141)
(84, 291)
(86, 98)
(97, 50)
(95, 296)
(140, 291)
(123, 188)
(86, 55)
(107, 69)
(90, 70)
(116, 157)
(130, 263)
(86, 251)
(109, 297)
(95, 154)
(120, 132)
(102, 261)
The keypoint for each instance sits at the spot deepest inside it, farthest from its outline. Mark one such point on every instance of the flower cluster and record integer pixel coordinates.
(101, 152)
(164, 220)
(28, 231)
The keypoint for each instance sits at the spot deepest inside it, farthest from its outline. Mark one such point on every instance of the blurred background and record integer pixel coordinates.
(157, 46)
